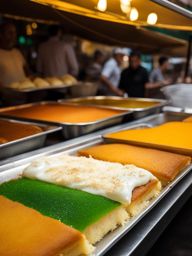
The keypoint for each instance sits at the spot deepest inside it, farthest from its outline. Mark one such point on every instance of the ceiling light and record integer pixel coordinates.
(134, 14)
(102, 5)
(152, 18)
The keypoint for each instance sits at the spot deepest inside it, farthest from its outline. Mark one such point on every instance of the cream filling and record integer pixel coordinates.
(111, 180)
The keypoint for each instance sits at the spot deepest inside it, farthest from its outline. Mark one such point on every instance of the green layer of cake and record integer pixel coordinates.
(73, 207)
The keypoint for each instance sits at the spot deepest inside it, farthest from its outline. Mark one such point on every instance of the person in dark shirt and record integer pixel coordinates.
(134, 79)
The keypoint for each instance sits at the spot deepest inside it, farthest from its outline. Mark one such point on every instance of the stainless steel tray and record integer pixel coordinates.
(106, 101)
(36, 89)
(165, 117)
(27, 143)
(112, 238)
(72, 130)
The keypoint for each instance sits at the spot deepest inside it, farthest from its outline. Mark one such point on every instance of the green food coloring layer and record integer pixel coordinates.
(73, 207)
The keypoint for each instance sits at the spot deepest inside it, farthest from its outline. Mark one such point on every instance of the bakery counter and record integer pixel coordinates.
(133, 237)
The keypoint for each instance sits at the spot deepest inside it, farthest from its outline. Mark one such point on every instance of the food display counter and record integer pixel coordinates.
(133, 237)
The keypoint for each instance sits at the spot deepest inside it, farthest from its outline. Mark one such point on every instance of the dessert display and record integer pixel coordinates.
(25, 231)
(92, 196)
(164, 165)
(21, 130)
(119, 102)
(171, 136)
(62, 113)
(91, 214)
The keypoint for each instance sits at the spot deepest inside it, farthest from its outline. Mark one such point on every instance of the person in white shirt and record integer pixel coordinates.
(111, 73)
(12, 62)
(56, 57)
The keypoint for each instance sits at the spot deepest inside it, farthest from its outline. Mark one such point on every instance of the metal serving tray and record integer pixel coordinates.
(108, 102)
(36, 89)
(27, 143)
(112, 238)
(152, 121)
(72, 130)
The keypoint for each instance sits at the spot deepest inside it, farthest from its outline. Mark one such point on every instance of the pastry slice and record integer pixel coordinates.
(111, 180)
(40, 83)
(91, 214)
(69, 80)
(171, 136)
(164, 165)
(54, 81)
(24, 231)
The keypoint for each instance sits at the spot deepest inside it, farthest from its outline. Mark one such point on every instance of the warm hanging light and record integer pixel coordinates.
(34, 25)
(29, 30)
(125, 6)
(102, 5)
(152, 18)
(134, 14)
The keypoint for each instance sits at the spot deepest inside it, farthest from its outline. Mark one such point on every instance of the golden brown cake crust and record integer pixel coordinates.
(25, 232)
(163, 165)
(139, 191)
(12, 131)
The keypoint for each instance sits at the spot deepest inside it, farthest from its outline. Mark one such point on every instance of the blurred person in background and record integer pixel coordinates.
(93, 71)
(158, 79)
(56, 57)
(134, 79)
(111, 73)
(13, 66)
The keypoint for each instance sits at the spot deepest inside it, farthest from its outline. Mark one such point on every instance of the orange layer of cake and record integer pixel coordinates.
(24, 231)
(63, 113)
(164, 165)
(172, 136)
(12, 131)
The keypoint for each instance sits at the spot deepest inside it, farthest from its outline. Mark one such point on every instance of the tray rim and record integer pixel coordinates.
(50, 129)
(161, 102)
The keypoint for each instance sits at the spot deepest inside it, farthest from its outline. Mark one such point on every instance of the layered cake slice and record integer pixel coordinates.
(164, 165)
(114, 181)
(171, 136)
(24, 231)
(91, 214)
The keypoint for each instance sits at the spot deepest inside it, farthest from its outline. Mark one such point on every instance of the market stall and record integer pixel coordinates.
(118, 169)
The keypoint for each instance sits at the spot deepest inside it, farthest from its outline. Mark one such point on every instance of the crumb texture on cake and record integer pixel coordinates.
(73, 207)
